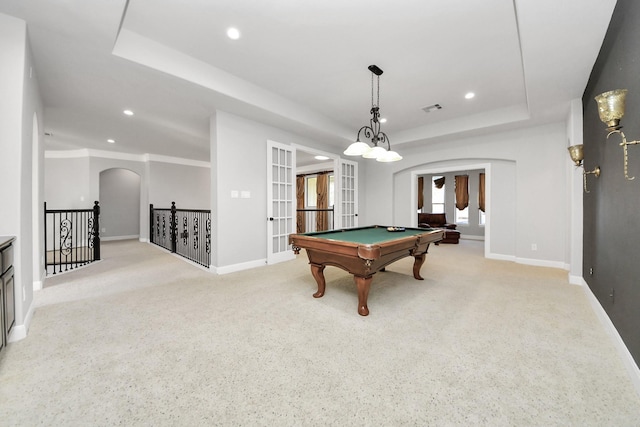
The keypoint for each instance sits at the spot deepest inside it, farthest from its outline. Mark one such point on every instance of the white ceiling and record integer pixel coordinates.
(302, 65)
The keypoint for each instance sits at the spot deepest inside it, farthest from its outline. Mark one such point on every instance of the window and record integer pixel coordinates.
(462, 216)
(311, 193)
(437, 196)
(331, 186)
(482, 217)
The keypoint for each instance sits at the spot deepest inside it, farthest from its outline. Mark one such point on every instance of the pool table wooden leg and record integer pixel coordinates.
(363, 284)
(417, 264)
(317, 272)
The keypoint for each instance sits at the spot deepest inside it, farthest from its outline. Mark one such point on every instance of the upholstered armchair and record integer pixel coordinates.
(439, 220)
(434, 220)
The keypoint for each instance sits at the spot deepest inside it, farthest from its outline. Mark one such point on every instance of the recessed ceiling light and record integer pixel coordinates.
(321, 158)
(128, 112)
(111, 141)
(233, 33)
(469, 95)
(383, 120)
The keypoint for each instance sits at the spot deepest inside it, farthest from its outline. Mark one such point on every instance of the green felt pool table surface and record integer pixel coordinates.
(367, 235)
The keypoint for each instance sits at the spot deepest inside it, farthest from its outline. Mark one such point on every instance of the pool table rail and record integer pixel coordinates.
(363, 260)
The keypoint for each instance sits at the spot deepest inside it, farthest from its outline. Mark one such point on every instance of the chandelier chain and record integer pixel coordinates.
(378, 93)
(371, 90)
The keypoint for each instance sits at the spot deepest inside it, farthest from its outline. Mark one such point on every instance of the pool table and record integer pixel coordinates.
(363, 251)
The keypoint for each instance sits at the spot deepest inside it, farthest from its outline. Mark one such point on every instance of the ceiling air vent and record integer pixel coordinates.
(431, 108)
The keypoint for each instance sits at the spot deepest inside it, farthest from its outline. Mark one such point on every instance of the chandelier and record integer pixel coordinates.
(378, 138)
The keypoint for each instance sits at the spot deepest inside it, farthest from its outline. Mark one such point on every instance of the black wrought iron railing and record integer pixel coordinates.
(72, 238)
(309, 220)
(186, 232)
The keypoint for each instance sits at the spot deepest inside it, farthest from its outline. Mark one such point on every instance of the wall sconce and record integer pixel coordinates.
(611, 109)
(577, 155)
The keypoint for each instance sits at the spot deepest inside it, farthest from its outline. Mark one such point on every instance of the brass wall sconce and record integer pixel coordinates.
(611, 107)
(577, 155)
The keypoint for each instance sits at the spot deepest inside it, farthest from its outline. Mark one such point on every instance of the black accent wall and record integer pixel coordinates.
(612, 208)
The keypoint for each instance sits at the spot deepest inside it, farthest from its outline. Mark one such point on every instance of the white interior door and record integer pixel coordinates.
(347, 178)
(281, 193)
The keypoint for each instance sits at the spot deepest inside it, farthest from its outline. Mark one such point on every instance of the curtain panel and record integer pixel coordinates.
(322, 219)
(420, 192)
(438, 183)
(301, 225)
(462, 191)
(481, 193)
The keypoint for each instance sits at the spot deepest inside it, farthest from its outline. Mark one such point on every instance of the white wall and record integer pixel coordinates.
(239, 162)
(574, 202)
(119, 204)
(526, 189)
(67, 184)
(21, 152)
(168, 185)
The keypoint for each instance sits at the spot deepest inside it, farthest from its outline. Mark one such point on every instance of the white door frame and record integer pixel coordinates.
(281, 210)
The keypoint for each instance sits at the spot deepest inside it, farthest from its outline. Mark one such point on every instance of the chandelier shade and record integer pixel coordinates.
(357, 149)
(375, 149)
(374, 152)
(389, 156)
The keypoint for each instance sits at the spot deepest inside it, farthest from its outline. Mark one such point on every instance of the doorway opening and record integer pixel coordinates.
(119, 196)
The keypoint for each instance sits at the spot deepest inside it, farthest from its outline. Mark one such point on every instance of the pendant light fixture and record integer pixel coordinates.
(378, 138)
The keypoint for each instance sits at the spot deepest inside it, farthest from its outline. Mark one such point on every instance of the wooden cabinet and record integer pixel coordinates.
(7, 290)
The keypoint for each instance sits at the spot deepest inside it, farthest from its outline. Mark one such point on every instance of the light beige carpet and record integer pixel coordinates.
(143, 338)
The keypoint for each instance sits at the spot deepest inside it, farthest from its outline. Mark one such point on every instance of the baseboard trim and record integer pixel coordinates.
(19, 332)
(109, 239)
(576, 280)
(541, 263)
(501, 257)
(529, 261)
(627, 360)
(238, 267)
(471, 237)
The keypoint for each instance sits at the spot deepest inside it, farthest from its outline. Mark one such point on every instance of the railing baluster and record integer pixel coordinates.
(69, 243)
(310, 217)
(189, 232)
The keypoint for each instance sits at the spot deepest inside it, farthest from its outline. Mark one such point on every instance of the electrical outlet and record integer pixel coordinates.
(612, 295)
(534, 247)
(591, 271)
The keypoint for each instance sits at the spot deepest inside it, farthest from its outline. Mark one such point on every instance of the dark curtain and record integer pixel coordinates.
(481, 193)
(438, 183)
(462, 191)
(301, 225)
(420, 192)
(322, 185)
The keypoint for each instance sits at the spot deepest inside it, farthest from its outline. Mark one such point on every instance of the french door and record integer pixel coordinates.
(281, 202)
(347, 191)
